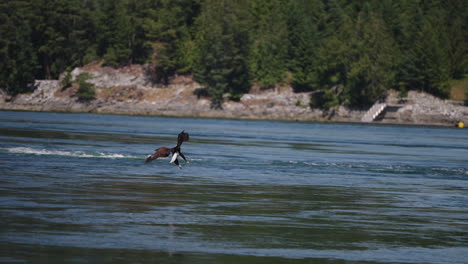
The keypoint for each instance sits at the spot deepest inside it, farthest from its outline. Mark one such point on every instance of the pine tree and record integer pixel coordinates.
(372, 67)
(172, 41)
(115, 33)
(424, 46)
(359, 58)
(456, 22)
(221, 41)
(432, 51)
(304, 20)
(19, 62)
(268, 53)
(353, 51)
(63, 32)
(332, 56)
(211, 65)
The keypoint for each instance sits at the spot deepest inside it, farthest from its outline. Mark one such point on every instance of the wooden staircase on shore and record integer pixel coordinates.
(373, 112)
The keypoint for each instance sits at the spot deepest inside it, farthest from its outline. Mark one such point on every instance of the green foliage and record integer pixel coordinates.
(303, 21)
(268, 48)
(221, 39)
(456, 23)
(86, 91)
(426, 64)
(117, 29)
(173, 45)
(363, 47)
(18, 60)
(403, 93)
(329, 99)
(371, 62)
(324, 99)
(298, 102)
(62, 31)
(316, 99)
(67, 81)
(167, 26)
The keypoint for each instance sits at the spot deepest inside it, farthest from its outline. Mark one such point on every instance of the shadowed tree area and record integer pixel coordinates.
(350, 51)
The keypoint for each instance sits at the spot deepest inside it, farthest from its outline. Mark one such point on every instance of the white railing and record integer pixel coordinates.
(373, 112)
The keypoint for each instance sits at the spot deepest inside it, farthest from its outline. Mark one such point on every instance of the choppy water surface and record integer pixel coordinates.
(74, 189)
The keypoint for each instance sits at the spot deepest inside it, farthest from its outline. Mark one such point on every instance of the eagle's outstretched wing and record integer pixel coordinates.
(181, 138)
(160, 152)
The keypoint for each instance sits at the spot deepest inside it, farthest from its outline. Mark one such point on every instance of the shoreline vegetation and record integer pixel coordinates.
(128, 90)
(273, 59)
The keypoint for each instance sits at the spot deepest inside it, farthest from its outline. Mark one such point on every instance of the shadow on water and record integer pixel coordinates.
(75, 135)
(56, 254)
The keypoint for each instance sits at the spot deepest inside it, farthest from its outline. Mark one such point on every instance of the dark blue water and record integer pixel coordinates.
(74, 189)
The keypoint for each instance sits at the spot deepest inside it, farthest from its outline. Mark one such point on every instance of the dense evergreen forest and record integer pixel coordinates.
(351, 50)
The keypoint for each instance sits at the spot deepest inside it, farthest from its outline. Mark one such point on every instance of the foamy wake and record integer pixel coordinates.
(80, 154)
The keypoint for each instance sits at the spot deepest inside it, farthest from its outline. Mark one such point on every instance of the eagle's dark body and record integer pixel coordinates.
(175, 151)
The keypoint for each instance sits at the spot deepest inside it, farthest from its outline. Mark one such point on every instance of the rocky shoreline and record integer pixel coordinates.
(128, 91)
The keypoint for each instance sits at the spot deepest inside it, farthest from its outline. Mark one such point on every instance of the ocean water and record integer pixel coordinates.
(74, 188)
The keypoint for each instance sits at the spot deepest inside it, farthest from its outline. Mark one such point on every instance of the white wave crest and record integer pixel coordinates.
(80, 154)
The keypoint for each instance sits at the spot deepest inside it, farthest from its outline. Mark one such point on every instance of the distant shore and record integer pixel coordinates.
(127, 91)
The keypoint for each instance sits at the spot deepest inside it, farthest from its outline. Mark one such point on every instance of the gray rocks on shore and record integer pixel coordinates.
(128, 91)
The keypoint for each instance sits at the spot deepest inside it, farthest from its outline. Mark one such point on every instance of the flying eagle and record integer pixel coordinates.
(164, 152)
